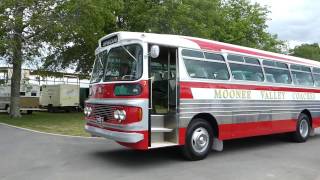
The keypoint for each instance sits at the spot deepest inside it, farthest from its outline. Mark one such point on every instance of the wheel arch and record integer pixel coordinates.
(307, 112)
(210, 119)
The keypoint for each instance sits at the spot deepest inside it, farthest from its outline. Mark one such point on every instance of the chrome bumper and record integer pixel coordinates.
(114, 135)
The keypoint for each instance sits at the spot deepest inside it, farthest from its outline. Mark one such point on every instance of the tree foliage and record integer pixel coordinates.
(232, 21)
(308, 51)
(71, 28)
(25, 27)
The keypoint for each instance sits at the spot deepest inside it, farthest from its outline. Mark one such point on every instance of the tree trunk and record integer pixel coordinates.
(17, 63)
(15, 80)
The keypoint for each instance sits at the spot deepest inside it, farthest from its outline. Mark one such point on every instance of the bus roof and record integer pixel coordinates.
(205, 44)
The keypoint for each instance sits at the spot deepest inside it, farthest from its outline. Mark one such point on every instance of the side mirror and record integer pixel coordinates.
(154, 51)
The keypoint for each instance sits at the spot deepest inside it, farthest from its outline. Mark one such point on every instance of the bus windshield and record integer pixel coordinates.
(121, 63)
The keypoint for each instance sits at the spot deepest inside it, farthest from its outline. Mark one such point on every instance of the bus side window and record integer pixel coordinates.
(277, 72)
(238, 75)
(207, 69)
(246, 72)
(316, 78)
(302, 75)
(302, 78)
(270, 78)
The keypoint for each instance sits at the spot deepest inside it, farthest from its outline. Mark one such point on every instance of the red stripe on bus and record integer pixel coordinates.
(107, 91)
(185, 88)
(249, 129)
(218, 47)
(316, 122)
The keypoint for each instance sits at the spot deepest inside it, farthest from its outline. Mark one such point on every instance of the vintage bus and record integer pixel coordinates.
(154, 90)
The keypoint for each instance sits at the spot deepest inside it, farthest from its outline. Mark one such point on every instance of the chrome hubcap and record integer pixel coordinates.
(304, 128)
(200, 140)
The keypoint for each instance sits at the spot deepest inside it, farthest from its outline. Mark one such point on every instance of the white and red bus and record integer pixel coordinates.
(155, 90)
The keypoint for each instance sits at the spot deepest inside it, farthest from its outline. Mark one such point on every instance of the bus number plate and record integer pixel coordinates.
(100, 120)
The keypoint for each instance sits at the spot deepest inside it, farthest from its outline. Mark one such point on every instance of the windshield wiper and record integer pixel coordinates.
(134, 58)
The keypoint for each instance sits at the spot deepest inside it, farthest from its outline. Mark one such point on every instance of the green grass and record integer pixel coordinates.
(59, 123)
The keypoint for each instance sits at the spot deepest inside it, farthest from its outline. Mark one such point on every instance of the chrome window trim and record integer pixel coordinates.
(243, 63)
(199, 59)
(275, 68)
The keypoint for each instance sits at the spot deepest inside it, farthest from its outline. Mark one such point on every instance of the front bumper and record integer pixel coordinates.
(115, 135)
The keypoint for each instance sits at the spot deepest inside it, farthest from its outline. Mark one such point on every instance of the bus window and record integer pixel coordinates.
(277, 72)
(213, 56)
(251, 60)
(300, 68)
(275, 64)
(302, 78)
(316, 76)
(270, 78)
(207, 69)
(235, 58)
(246, 72)
(192, 53)
(316, 70)
(301, 75)
(316, 79)
(277, 75)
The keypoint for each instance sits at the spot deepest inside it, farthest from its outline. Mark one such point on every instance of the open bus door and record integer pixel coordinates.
(163, 123)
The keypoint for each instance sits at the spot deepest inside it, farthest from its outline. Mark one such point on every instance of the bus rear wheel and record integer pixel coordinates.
(303, 129)
(199, 139)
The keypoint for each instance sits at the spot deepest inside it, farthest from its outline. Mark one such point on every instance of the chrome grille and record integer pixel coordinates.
(102, 110)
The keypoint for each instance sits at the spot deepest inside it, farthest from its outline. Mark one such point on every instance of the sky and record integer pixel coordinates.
(295, 21)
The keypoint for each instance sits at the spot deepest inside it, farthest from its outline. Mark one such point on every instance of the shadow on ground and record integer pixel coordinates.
(137, 159)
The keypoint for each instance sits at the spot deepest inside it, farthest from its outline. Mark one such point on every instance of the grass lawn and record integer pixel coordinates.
(59, 123)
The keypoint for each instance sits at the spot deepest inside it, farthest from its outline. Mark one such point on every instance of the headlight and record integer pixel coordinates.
(87, 111)
(122, 115)
(116, 114)
(119, 115)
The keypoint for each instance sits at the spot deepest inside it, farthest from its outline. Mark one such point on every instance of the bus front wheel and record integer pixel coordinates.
(199, 139)
(303, 129)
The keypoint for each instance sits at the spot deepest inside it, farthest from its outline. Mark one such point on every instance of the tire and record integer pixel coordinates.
(303, 129)
(199, 139)
(50, 108)
(8, 109)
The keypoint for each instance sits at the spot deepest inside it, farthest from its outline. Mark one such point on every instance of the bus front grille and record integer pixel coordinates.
(102, 110)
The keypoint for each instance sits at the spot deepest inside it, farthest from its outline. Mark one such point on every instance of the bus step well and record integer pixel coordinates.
(163, 131)
(162, 144)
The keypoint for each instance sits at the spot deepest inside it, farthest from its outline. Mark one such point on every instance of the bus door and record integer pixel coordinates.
(163, 98)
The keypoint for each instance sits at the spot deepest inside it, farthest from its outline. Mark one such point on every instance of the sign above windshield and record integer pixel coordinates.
(109, 41)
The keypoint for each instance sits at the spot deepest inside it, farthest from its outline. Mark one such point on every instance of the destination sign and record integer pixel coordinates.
(109, 41)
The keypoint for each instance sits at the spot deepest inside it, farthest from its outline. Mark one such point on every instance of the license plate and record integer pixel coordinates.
(99, 120)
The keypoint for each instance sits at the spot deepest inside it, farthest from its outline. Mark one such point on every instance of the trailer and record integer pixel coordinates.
(60, 97)
(29, 93)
